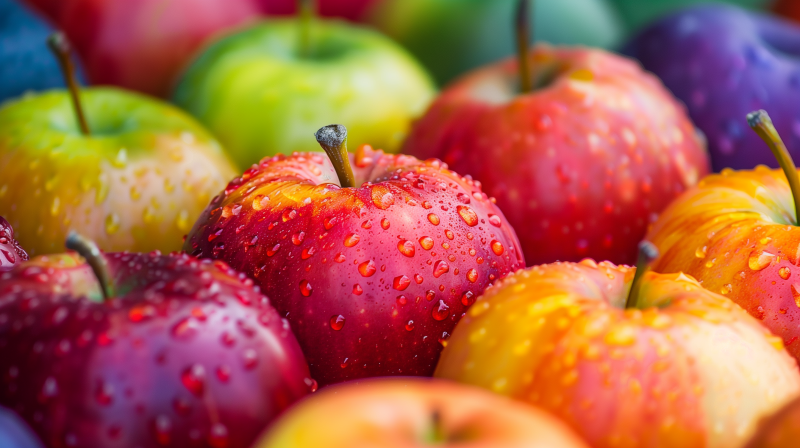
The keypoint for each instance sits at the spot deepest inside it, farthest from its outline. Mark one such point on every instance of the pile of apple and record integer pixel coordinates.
(191, 250)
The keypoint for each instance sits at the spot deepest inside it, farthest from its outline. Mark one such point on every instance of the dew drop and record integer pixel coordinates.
(402, 300)
(311, 384)
(307, 253)
(426, 242)
(468, 215)
(449, 234)
(441, 311)
(472, 275)
(497, 247)
(410, 325)
(418, 278)
(700, 252)
(726, 288)
(218, 436)
(330, 221)
(274, 250)
(433, 219)
(385, 224)
(288, 215)
(339, 258)
(495, 220)
(784, 272)
(440, 267)
(468, 298)
(430, 295)
(305, 288)
(223, 373)
(401, 282)
(297, 238)
(406, 248)
(103, 393)
(382, 197)
(357, 290)
(367, 268)
(337, 322)
(351, 240)
(162, 426)
(112, 223)
(796, 294)
(760, 260)
(194, 379)
(250, 359)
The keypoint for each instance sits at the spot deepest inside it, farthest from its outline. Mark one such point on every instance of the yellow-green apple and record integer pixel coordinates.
(265, 89)
(131, 172)
(126, 350)
(11, 253)
(373, 258)
(656, 361)
(143, 45)
(414, 413)
(737, 233)
(780, 430)
(582, 152)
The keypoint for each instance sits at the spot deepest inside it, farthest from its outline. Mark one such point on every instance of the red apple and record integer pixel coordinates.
(656, 361)
(737, 233)
(143, 44)
(348, 9)
(780, 430)
(167, 351)
(788, 8)
(372, 269)
(11, 253)
(414, 412)
(583, 159)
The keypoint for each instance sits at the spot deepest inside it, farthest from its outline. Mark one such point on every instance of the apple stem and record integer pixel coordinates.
(333, 139)
(648, 252)
(87, 249)
(306, 12)
(760, 122)
(523, 43)
(61, 48)
(436, 435)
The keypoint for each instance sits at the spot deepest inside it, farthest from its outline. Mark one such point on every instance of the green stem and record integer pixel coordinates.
(333, 139)
(760, 122)
(523, 32)
(306, 12)
(436, 434)
(87, 249)
(648, 252)
(61, 49)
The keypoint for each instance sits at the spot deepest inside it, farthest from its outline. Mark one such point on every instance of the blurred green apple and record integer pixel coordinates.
(261, 94)
(451, 37)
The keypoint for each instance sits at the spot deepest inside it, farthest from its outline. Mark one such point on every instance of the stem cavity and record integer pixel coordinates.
(648, 252)
(61, 49)
(333, 139)
(87, 249)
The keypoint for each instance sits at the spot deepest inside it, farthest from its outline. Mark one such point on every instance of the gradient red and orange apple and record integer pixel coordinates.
(582, 151)
(411, 413)
(623, 356)
(145, 350)
(373, 258)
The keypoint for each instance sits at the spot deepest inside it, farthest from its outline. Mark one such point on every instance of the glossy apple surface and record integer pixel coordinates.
(348, 9)
(137, 183)
(413, 413)
(452, 37)
(187, 354)
(11, 253)
(780, 430)
(637, 14)
(371, 277)
(14, 433)
(259, 96)
(684, 368)
(724, 62)
(142, 45)
(582, 164)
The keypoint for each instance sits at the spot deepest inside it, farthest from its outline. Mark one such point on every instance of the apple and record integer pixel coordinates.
(25, 63)
(788, 8)
(625, 357)
(582, 157)
(129, 171)
(155, 351)
(14, 433)
(723, 62)
(637, 13)
(11, 253)
(265, 89)
(371, 257)
(780, 430)
(737, 233)
(349, 9)
(414, 412)
(451, 37)
(143, 44)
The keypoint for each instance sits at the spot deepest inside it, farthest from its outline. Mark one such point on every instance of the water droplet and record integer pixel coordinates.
(418, 278)
(367, 268)
(468, 215)
(357, 290)
(351, 240)
(382, 197)
(472, 275)
(410, 325)
(218, 436)
(311, 384)
(497, 247)
(337, 322)
(440, 267)
(406, 248)
(700, 252)
(104, 393)
(194, 379)
(784, 272)
(330, 221)
(426, 242)
(468, 298)
(726, 288)
(274, 250)
(298, 238)
(433, 219)
(305, 288)
(223, 373)
(430, 295)
(49, 388)
(495, 220)
(401, 282)
(307, 253)
(449, 234)
(112, 223)
(250, 358)
(339, 258)
(401, 300)
(385, 224)
(162, 426)
(760, 260)
(441, 311)
(796, 294)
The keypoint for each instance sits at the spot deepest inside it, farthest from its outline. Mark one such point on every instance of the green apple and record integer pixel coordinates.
(451, 37)
(637, 13)
(133, 175)
(261, 94)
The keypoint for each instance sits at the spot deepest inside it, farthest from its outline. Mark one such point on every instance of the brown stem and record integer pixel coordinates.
(760, 122)
(61, 48)
(523, 32)
(87, 249)
(333, 139)
(305, 9)
(648, 252)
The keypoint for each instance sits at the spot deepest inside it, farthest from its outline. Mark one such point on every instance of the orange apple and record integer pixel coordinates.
(680, 367)
(415, 412)
(780, 430)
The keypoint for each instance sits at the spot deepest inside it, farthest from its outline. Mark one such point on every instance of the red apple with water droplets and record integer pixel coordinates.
(373, 276)
(181, 352)
(11, 253)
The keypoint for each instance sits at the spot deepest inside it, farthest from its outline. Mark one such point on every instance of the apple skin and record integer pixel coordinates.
(582, 164)
(400, 412)
(11, 253)
(142, 45)
(259, 97)
(14, 433)
(687, 368)
(724, 62)
(788, 8)
(637, 14)
(780, 430)
(451, 37)
(734, 232)
(137, 184)
(349, 9)
(189, 353)
(321, 252)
